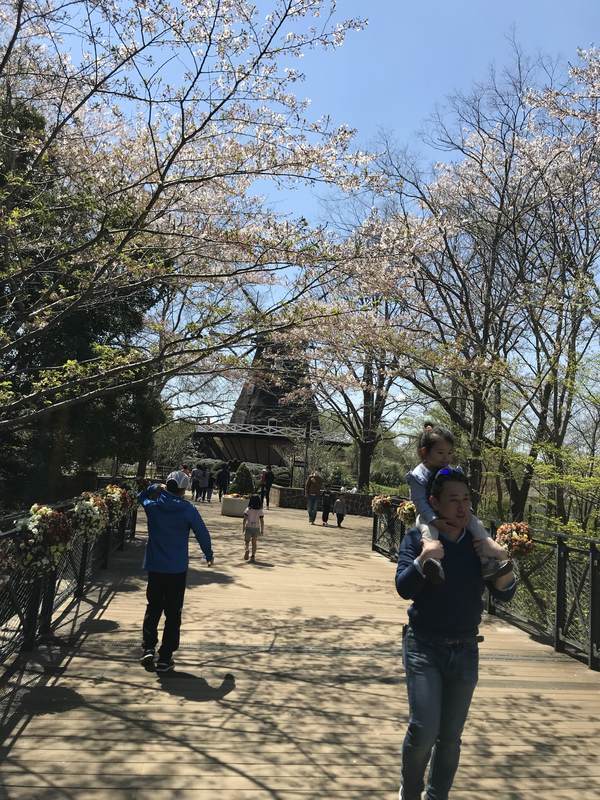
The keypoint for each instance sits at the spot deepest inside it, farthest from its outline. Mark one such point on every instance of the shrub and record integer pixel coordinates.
(242, 483)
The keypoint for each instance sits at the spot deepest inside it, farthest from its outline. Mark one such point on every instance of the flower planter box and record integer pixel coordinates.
(233, 506)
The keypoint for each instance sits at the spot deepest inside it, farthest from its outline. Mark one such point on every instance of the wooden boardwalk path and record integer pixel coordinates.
(289, 686)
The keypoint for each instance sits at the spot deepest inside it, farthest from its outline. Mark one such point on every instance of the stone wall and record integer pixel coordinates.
(286, 497)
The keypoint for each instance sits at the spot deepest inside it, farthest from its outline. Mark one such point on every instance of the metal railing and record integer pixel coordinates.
(558, 590)
(28, 599)
(388, 532)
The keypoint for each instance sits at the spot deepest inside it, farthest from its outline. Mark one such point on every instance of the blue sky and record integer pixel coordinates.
(414, 54)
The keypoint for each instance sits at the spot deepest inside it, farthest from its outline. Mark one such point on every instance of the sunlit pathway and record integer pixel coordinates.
(288, 685)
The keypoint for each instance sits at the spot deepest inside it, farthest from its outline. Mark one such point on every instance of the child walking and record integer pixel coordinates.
(253, 525)
(435, 448)
(339, 509)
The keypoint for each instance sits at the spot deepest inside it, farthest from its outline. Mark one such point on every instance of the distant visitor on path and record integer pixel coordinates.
(440, 649)
(210, 486)
(312, 492)
(181, 476)
(223, 478)
(435, 448)
(326, 501)
(339, 509)
(195, 478)
(266, 481)
(203, 476)
(253, 526)
(170, 518)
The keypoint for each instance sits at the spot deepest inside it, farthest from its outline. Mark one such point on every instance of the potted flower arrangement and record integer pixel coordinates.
(407, 512)
(44, 536)
(235, 502)
(89, 516)
(381, 505)
(516, 538)
(119, 501)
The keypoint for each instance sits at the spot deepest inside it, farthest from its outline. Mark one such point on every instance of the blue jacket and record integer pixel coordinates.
(452, 608)
(170, 519)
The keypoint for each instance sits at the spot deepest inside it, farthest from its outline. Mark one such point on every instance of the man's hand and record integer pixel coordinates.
(488, 548)
(431, 550)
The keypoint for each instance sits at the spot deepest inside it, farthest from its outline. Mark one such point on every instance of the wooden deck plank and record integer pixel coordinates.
(317, 705)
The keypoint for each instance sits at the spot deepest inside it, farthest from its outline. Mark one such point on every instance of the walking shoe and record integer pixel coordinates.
(253, 559)
(492, 569)
(433, 571)
(147, 660)
(246, 556)
(165, 666)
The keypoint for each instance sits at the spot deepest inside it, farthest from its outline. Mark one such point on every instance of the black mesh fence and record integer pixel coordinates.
(28, 598)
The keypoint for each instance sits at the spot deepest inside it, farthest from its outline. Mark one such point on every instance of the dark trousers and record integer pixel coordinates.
(440, 680)
(164, 593)
(195, 490)
(222, 489)
(340, 519)
(325, 515)
(265, 491)
(312, 503)
(203, 491)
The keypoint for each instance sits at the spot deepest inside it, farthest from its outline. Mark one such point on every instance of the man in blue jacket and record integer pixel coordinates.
(170, 518)
(440, 650)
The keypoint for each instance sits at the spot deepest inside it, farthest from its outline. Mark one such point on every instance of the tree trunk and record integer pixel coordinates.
(366, 450)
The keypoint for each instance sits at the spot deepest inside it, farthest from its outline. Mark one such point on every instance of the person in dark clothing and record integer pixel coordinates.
(312, 492)
(326, 503)
(266, 481)
(170, 518)
(440, 642)
(223, 478)
(210, 487)
(203, 480)
(196, 482)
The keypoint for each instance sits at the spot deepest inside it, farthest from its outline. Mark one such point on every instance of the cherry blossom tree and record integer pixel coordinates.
(148, 124)
(504, 243)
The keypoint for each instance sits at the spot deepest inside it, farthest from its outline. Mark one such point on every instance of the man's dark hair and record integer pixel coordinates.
(184, 466)
(172, 486)
(432, 434)
(444, 476)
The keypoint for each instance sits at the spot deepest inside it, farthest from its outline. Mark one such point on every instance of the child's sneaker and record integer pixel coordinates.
(492, 568)
(433, 571)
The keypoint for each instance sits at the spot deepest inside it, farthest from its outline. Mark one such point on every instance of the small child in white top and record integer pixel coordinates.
(253, 526)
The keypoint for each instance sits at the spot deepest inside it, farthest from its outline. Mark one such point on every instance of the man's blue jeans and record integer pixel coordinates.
(440, 679)
(312, 502)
